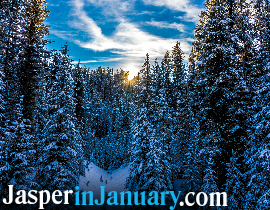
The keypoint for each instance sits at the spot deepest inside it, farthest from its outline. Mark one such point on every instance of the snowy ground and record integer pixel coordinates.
(96, 177)
(114, 181)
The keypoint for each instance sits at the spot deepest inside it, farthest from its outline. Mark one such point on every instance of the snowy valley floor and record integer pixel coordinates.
(114, 181)
(96, 177)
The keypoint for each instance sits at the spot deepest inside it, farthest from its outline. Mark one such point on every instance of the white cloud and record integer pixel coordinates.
(62, 34)
(88, 61)
(114, 8)
(53, 5)
(128, 40)
(162, 24)
(191, 11)
(101, 59)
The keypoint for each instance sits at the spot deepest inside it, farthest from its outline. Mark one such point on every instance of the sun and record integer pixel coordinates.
(133, 70)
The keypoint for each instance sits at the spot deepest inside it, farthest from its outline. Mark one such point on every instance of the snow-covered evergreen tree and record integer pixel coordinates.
(235, 186)
(33, 31)
(180, 111)
(16, 140)
(60, 151)
(222, 81)
(79, 82)
(150, 167)
(3, 142)
(261, 28)
(257, 154)
(20, 150)
(209, 180)
(121, 118)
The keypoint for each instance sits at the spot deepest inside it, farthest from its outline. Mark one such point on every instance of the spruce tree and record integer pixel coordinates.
(150, 167)
(60, 152)
(180, 110)
(3, 142)
(261, 29)
(79, 79)
(121, 119)
(235, 186)
(17, 144)
(33, 31)
(257, 153)
(222, 82)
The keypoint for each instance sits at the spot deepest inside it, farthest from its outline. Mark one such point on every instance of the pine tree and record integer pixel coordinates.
(60, 156)
(144, 86)
(3, 142)
(194, 165)
(121, 119)
(11, 41)
(92, 108)
(33, 32)
(86, 104)
(42, 115)
(18, 169)
(79, 77)
(223, 80)
(167, 66)
(180, 110)
(209, 180)
(257, 194)
(261, 29)
(20, 150)
(150, 168)
(17, 146)
(257, 154)
(235, 186)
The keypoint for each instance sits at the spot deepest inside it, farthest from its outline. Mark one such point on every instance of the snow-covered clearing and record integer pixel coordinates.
(114, 181)
(96, 177)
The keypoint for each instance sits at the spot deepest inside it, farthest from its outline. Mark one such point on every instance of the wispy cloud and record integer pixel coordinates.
(84, 62)
(128, 40)
(116, 8)
(53, 5)
(101, 59)
(63, 34)
(191, 11)
(162, 24)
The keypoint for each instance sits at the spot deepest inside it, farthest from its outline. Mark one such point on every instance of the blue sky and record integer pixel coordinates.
(119, 33)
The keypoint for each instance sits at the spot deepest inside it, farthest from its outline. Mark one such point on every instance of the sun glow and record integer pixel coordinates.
(133, 70)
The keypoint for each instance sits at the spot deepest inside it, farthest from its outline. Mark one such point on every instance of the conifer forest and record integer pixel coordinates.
(206, 122)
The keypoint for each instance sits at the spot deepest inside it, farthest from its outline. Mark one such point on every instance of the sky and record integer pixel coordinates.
(119, 33)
